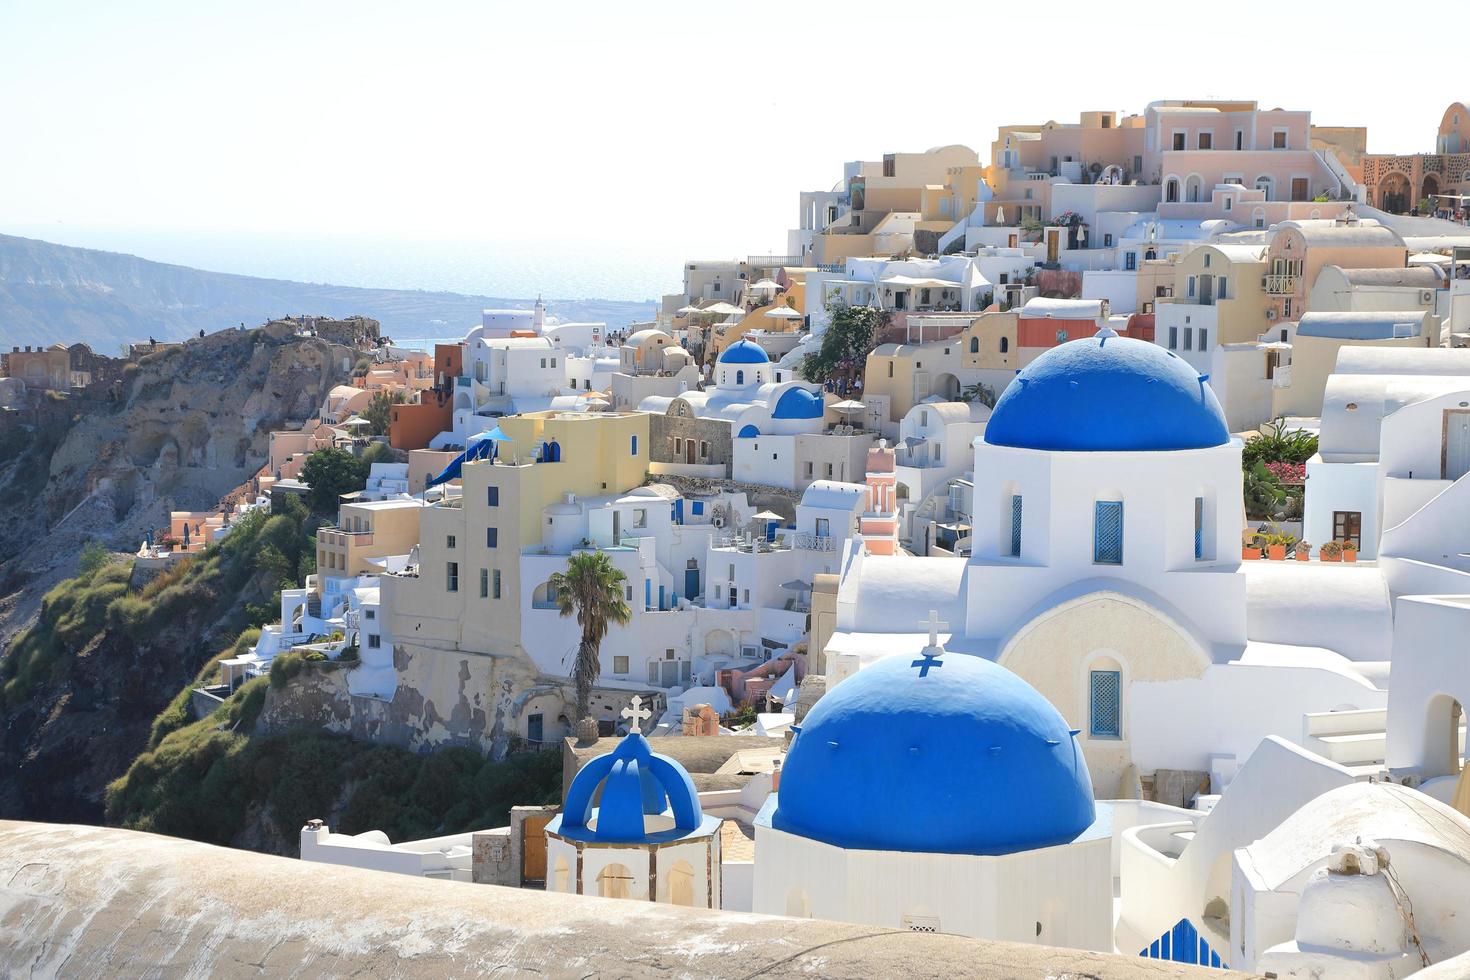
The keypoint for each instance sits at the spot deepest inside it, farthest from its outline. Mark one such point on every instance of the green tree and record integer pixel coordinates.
(591, 589)
(94, 557)
(379, 410)
(1276, 445)
(979, 392)
(852, 333)
(331, 473)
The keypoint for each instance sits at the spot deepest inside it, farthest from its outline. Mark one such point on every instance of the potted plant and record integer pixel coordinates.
(1250, 545)
(1303, 551)
(1349, 551)
(1277, 542)
(1331, 551)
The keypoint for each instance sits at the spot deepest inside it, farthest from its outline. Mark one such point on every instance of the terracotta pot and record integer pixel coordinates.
(1303, 555)
(1332, 558)
(1349, 555)
(1250, 554)
(1276, 552)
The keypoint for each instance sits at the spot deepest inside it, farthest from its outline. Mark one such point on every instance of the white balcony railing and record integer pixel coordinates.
(1279, 285)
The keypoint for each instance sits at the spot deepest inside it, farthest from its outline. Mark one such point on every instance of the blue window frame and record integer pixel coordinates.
(492, 537)
(492, 496)
(1199, 528)
(699, 508)
(1107, 533)
(1016, 525)
(740, 377)
(1104, 716)
(633, 445)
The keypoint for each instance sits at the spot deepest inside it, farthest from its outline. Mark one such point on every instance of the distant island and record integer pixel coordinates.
(60, 294)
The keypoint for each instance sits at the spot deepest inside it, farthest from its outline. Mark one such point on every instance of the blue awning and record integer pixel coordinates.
(477, 450)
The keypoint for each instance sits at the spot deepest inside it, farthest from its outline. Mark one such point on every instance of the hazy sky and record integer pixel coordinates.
(680, 128)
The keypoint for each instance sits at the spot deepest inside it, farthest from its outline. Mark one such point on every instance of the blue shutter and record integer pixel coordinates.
(1199, 528)
(1106, 696)
(492, 496)
(492, 537)
(1016, 524)
(1107, 533)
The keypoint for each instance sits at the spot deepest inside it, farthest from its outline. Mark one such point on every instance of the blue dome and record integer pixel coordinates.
(798, 403)
(1107, 395)
(744, 352)
(636, 782)
(957, 757)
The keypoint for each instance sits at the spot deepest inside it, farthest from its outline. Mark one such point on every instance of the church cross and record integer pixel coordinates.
(930, 658)
(636, 713)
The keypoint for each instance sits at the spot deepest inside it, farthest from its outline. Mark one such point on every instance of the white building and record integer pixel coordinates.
(1395, 435)
(1105, 570)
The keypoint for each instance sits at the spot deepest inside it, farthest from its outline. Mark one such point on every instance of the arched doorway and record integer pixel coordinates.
(1171, 190)
(615, 881)
(1266, 184)
(1430, 189)
(681, 884)
(1443, 738)
(1393, 193)
(947, 386)
(1194, 188)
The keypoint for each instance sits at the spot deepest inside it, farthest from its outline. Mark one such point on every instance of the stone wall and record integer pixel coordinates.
(444, 698)
(663, 429)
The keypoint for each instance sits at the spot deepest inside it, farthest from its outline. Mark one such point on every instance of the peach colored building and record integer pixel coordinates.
(1024, 159)
(1192, 146)
(1297, 252)
(1399, 182)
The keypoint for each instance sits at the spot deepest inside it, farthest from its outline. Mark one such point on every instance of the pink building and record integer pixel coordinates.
(879, 521)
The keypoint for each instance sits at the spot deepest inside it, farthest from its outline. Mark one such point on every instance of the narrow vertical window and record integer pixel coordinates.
(1199, 528)
(1104, 716)
(1016, 525)
(1107, 533)
(484, 583)
(495, 584)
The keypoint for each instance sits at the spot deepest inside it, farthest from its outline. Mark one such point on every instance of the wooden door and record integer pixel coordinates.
(533, 848)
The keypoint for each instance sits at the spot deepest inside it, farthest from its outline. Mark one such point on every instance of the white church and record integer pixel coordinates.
(1106, 572)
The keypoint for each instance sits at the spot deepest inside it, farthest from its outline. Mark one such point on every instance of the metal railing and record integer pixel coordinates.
(1278, 285)
(814, 542)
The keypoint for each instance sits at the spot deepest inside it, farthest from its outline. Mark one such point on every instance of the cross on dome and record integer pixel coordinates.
(930, 659)
(636, 713)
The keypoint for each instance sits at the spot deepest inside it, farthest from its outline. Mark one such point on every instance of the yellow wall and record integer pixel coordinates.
(986, 332)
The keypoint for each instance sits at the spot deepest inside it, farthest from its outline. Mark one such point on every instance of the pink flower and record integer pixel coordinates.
(1288, 472)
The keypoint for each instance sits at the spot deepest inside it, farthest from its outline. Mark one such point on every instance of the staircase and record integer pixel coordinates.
(1357, 740)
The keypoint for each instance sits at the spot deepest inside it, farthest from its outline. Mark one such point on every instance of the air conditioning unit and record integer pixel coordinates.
(1426, 296)
(1270, 314)
(718, 521)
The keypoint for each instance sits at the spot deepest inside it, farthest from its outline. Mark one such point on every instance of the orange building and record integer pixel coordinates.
(412, 425)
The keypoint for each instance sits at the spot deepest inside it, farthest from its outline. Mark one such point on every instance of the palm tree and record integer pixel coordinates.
(592, 589)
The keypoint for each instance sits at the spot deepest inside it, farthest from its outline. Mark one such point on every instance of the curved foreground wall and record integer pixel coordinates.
(90, 901)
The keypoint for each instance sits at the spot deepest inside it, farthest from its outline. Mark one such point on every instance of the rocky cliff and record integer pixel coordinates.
(187, 426)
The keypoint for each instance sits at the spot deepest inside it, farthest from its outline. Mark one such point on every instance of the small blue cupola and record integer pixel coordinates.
(641, 791)
(744, 352)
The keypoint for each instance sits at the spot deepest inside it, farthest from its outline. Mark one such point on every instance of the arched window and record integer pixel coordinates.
(1005, 344)
(615, 881)
(681, 884)
(1265, 183)
(740, 377)
(974, 345)
(1171, 190)
(545, 597)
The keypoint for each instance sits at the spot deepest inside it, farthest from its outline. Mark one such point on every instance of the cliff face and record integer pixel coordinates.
(191, 425)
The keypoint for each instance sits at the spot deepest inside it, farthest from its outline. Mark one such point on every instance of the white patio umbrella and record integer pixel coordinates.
(688, 310)
(848, 406)
(356, 420)
(766, 285)
(722, 309)
(784, 313)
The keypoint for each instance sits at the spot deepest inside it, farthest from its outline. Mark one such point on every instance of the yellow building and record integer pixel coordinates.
(989, 343)
(366, 530)
(1320, 336)
(1217, 299)
(466, 592)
